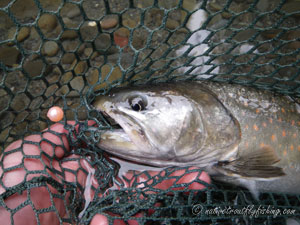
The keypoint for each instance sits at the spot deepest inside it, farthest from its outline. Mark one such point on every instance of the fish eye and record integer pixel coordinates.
(137, 104)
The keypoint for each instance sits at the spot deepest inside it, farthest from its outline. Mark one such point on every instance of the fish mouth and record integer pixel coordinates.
(126, 137)
(113, 124)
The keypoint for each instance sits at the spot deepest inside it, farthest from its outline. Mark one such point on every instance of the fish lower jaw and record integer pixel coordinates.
(116, 141)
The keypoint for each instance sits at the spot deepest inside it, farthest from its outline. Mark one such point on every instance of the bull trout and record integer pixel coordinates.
(240, 135)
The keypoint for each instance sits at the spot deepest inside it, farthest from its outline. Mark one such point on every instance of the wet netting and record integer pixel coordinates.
(66, 52)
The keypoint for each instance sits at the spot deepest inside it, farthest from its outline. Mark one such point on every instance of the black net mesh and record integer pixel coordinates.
(64, 53)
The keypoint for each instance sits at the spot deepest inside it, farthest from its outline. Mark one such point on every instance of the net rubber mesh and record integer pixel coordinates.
(64, 53)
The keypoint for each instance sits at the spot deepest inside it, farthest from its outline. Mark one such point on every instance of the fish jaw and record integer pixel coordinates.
(126, 142)
(116, 141)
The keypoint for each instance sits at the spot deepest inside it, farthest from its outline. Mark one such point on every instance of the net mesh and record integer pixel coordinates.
(64, 52)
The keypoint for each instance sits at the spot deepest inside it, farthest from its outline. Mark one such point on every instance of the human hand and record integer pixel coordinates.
(48, 156)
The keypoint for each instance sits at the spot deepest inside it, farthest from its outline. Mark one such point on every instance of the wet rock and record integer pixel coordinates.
(9, 55)
(11, 34)
(50, 5)
(102, 42)
(47, 22)
(36, 87)
(88, 31)
(6, 119)
(74, 12)
(38, 125)
(69, 34)
(189, 4)
(263, 5)
(94, 55)
(270, 34)
(121, 37)
(34, 34)
(70, 23)
(51, 90)
(23, 34)
(93, 76)
(24, 11)
(172, 24)
(226, 15)
(80, 67)
(70, 45)
(68, 58)
(66, 77)
(294, 45)
(4, 136)
(20, 102)
(217, 22)
(34, 68)
(88, 52)
(130, 22)
(16, 82)
(77, 83)
(292, 7)
(244, 35)
(81, 49)
(63, 90)
(215, 7)
(108, 22)
(50, 48)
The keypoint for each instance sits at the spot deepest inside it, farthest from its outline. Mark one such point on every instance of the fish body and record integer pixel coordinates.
(239, 134)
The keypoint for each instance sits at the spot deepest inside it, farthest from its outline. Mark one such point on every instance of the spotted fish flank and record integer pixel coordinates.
(240, 133)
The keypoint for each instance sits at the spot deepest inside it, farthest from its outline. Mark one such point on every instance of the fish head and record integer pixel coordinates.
(165, 125)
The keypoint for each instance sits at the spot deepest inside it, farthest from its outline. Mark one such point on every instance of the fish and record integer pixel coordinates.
(238, 134)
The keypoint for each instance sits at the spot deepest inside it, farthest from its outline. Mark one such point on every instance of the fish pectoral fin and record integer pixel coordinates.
(258, 164)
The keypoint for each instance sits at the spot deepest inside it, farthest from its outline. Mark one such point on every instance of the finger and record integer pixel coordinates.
(192, 178)
(32, 154)
(79, 171)
(53, 140)
(99, 219)
(164, 181)
(41, 198)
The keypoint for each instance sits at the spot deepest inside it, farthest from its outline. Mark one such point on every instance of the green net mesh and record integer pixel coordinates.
(64, 52)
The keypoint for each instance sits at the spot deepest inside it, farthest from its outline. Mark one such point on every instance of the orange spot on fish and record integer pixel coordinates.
(283, 133)
(293, 122)
(298, 148)
(284, 152)
(283, 110)
(255, 127)
(262, 145)
(273, 137)
(294, 135)
(298, 123)
(264, 124)
(292, 147)
(257, 111)
(270, 120)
